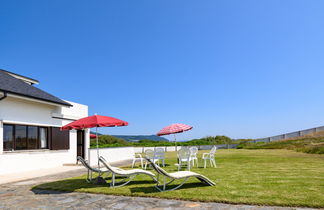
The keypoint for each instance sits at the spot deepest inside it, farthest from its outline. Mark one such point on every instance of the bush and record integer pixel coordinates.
(108, 140)
(111, 141)
(313, 149)
(313, 145)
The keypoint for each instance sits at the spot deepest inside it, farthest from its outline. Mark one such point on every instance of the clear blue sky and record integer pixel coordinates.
(245, 69)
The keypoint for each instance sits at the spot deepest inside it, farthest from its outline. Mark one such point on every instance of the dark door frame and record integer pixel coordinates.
(81, 143)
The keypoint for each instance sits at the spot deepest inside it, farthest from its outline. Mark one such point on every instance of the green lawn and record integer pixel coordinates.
(260, 177)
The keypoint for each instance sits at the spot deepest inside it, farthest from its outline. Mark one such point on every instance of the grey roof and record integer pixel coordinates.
(31, 79)
(16, 86)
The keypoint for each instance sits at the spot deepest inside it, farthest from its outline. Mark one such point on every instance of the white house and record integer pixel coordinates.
(30, 121)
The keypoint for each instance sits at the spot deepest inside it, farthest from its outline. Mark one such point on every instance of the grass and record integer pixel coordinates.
(257, 177)
(313, 144)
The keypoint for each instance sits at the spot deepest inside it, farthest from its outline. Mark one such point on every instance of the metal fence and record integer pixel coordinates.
(290, 135)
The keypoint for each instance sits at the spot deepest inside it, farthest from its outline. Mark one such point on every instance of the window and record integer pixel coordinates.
(32, 137)
(24, 137)
(21, 137)
(43, 137)
(8, 137)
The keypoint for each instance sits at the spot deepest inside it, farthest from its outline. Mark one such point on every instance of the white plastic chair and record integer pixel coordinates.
(193, 155)
(137, 157)
(183, 156)
(210, 156)
(159, 154)
(149, 154)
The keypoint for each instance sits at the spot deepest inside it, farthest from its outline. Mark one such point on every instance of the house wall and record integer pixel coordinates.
(117, 154)
(20, 111)
(113, 154)
(1, 138)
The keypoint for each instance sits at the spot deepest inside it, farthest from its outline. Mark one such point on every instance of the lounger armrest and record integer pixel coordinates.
(139, 155)
(117, 169)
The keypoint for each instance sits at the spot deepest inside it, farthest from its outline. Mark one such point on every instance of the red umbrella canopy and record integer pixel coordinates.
(94, 121)
(93, 136)
(174, 128)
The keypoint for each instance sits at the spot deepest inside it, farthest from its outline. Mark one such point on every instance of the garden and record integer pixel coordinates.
(257, 177)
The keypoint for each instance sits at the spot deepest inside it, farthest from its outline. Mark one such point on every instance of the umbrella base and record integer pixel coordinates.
(100, 181)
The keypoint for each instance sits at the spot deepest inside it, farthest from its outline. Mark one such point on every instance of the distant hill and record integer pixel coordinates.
(140, 137)
(92, 132)
(135, 138)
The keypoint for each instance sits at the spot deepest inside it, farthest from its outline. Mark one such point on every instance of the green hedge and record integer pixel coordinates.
(111, 141)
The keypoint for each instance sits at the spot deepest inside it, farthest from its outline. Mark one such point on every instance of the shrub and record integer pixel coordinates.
(108, 140)
(314, 145)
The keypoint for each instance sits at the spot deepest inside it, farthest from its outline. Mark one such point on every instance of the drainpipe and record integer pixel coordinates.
(4, 95)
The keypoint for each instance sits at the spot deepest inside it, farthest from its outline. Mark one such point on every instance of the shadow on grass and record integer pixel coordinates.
(68, 185)
(152, 189)
(73, 185)
(79, 184)
(48, 192)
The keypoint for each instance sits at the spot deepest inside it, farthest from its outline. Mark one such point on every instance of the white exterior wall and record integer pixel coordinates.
(139, 149)
(28, 112)
(116, 154)
(113, 154)
(28, 161)
(1, 138)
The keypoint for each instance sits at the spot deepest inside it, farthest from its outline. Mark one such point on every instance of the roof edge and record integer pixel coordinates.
(40, 99)
(34, 81)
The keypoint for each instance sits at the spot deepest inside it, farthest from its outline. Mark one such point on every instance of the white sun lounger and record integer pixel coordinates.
(91, 170)
(128, 174)
(185, 175)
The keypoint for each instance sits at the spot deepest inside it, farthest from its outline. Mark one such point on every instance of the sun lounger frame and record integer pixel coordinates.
(128, 174)
(162, 187)
(91, 170)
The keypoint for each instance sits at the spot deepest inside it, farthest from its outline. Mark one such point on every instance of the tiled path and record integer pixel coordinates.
(19, 196)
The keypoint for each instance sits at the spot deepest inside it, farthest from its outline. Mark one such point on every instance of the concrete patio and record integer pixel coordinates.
(15, 177)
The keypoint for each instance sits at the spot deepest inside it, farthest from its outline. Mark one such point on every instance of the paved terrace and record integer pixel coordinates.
(18, 195)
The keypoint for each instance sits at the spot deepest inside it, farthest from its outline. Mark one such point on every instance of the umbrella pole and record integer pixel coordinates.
(97, 146)
(99, 179)
(175, 142)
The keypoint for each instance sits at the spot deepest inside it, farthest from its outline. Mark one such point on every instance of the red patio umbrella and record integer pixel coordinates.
(94, 121)
(93, 136)
(173, 129)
